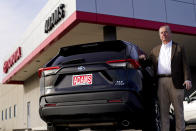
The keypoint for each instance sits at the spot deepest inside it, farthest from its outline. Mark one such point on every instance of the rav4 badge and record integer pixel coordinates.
(119, 83)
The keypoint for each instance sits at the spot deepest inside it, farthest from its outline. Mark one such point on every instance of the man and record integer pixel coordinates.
(173, 76)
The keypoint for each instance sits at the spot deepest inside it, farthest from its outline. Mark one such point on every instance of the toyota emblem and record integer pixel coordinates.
(81, 68)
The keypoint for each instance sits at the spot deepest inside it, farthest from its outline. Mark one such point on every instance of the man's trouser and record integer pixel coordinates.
(167, 95)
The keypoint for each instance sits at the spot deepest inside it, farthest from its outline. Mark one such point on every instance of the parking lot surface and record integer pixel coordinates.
(119, 130)
(188, 128)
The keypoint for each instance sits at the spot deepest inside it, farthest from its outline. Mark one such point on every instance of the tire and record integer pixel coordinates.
(71, 129)
(60, 128)
(157, 118)
(105, 130)
(153, 118)
(50, 127)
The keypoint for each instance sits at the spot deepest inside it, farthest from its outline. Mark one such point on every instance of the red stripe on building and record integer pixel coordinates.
(131, 22)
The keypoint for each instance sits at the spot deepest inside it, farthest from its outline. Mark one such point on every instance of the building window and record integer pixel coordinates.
(14, 110)
(5, 114)
(10, 112)
(2, 115)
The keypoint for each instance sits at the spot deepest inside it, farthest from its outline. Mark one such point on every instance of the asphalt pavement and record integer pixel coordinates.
(119, 130)
(188, 128)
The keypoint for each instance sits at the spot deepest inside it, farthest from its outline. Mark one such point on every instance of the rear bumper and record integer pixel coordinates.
(96, 111)
(86, 109)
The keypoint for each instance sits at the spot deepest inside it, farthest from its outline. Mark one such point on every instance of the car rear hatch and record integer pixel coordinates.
(88, 68)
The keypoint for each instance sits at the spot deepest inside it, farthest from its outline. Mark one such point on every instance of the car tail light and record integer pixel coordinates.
(130, 63)
(115, 101)
(50, 105)
(48, 70)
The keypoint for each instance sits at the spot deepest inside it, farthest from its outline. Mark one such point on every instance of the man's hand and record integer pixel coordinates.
(187, 84)
(142, 57)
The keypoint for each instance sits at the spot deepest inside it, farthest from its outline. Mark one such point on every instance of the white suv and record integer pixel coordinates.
(190, 109)
(189, 112)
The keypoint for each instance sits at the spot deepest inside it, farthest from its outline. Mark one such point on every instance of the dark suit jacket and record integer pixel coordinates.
(179, 66)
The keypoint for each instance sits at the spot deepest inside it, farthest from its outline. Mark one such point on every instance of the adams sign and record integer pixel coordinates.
(56, 16)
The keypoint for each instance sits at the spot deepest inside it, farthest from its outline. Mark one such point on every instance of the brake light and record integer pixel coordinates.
(50, 105)
(115, 101)
(130, 63)
(48, 70)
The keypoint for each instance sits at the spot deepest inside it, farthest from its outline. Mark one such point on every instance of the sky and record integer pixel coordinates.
(15, 17)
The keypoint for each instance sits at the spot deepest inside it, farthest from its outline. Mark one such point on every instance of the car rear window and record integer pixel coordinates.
(88, 53)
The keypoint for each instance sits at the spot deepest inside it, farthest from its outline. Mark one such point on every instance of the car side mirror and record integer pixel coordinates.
(187, 99)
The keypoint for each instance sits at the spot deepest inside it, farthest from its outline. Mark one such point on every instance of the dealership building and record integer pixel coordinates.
(69, 22)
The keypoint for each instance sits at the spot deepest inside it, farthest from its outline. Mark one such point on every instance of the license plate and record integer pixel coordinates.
(84, 79)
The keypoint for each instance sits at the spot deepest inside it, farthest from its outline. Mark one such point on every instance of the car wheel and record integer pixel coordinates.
(60, 128)
(50, 127)
(157, 117)
(71, 129)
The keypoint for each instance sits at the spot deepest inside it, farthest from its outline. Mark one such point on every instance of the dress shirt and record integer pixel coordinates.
(164, 61)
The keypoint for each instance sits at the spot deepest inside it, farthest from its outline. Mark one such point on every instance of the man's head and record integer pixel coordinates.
(165, 34)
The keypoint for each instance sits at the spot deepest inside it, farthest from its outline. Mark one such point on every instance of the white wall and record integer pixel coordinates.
(32, 94)
(11, 95)
(19, 95)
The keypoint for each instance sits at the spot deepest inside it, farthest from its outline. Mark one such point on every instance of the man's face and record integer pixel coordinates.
(165, 34)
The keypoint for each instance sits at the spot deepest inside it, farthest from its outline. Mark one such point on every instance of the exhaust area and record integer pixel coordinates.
(125, 123)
